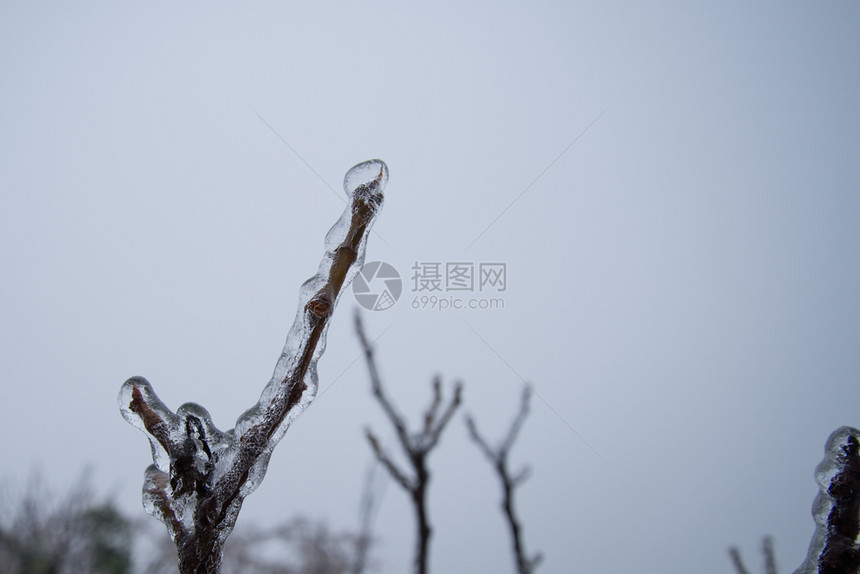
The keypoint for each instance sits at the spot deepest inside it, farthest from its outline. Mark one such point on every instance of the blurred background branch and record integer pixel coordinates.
(415, 446)
(498, 457)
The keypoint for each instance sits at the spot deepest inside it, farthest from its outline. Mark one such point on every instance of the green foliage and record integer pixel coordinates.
(111, 539)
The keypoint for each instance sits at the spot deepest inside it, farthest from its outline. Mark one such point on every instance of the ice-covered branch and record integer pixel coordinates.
(202, 475)
(834, 548)
(416, 447)
(498, 457)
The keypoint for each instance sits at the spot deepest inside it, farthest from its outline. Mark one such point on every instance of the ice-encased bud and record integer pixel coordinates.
(198, 412)
(198, 425)
(368, 177)
(137, 390)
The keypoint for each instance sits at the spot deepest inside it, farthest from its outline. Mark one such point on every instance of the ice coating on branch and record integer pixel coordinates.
(138, 389)
(201, 475)
(364, 183)
(371, 175)
(836, 509)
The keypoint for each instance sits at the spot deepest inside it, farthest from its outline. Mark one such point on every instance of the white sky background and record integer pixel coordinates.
(683, 280)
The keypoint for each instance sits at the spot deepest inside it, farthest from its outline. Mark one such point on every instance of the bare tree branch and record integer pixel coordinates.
(506, 445)
(376, 385)
(769, 555)
(499, 459)
(201, 475)
(429, 439)
(430, 416)
(476, 436)
(416, 448)
(389, 465)
(738, 563)
(370, 501)
(767, 552)
(521, 476)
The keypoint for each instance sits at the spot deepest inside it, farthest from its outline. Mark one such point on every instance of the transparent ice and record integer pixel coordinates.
(200, 474)
(839, 463)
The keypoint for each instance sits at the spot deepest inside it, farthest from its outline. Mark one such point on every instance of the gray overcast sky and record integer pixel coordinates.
(682, 280)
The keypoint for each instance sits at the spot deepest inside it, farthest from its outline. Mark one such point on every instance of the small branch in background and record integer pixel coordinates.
(769, 555)
(201, 475)
(416, 447)
(834, 548)
(371, 495)
(498, 457)
(767, 552)
(738, 563)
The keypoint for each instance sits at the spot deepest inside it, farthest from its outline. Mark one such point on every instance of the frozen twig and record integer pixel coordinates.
(202, 475)
(834, 548)
(498, 457)
(416, 447)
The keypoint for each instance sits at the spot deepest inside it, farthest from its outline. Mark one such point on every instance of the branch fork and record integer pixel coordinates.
(200, 474)
(415, 446)
(498, 457)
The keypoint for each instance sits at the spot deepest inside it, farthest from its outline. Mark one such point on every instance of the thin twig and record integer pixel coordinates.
(738, 563)
(416, 448)
(370, 499)
(769, 555)
(386, 461)
(767, 552)
(498, 457)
